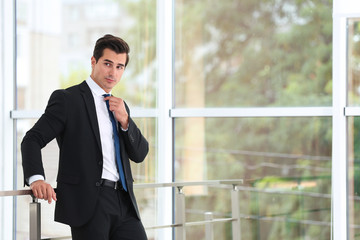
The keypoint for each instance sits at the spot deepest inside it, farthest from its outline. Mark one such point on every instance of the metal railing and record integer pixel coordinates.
(180, 217)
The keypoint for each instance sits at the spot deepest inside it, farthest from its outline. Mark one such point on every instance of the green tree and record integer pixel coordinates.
(262, 53)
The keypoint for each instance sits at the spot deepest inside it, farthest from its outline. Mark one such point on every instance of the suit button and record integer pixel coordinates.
(100, 163)
(97, 184)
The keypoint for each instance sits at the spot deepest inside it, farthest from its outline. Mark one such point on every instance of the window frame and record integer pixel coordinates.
(166, 113)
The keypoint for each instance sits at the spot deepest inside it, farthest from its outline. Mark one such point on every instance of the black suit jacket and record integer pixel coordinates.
(70, 117)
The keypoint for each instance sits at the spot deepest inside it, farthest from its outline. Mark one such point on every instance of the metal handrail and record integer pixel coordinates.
(234, 182)
(15, 193)
(180, 222)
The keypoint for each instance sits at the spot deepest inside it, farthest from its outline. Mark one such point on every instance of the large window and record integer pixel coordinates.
(251, 97)
(253, 53)
(233, 54)
(55, 40)
(286, 163)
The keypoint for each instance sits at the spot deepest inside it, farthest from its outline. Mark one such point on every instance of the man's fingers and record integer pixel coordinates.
(35, 193)
(114, 101)
(43, 190)
(39, 191)
(48, 195)
(51, 195)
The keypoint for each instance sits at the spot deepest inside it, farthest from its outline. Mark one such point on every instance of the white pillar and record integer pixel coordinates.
(339, 144)
(164, 172)
(7, 90)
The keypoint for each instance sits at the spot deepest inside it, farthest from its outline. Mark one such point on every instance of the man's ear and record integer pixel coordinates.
(93, 61)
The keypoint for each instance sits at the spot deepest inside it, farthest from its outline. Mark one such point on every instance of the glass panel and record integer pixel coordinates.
(55, 43)
(286, 165)
(253, 53)
(353, 62)
(143, 172)
(354, 176)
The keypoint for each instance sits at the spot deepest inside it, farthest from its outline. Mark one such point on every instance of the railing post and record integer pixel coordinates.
(35, 220)
(180, 215)
(235, 209)
(209, 227)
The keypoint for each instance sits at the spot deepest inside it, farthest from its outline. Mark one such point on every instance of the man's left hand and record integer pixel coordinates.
(117, 106)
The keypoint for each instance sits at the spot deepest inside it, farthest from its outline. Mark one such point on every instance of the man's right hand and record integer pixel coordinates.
(43, 190)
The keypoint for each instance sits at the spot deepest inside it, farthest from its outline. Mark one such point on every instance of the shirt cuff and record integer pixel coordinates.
(35, 178)
(125, 130)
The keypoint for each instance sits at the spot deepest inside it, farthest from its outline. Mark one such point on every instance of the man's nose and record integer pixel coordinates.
(112, 71)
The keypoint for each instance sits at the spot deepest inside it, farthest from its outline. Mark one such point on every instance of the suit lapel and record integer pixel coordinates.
(90, 106)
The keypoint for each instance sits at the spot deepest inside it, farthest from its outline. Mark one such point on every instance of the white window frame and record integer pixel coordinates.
(339, 138)
(343, 10)
(166, 113)
(164, 173)
(7, 93)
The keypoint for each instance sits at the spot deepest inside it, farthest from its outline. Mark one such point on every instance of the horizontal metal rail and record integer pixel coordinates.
(217, 220)
(234, 182)
(180, 223)
(15, 193)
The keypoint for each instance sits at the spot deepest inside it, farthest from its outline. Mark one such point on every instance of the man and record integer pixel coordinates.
(96, 138)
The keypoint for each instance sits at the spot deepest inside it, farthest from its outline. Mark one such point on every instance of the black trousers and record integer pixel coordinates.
(114, 219)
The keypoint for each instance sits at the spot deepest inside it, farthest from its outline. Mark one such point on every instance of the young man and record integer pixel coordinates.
(96, 138)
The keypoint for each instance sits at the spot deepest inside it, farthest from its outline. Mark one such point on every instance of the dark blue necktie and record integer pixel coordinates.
(117, 145)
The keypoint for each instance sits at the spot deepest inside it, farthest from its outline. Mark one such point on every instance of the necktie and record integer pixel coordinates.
(117, 145)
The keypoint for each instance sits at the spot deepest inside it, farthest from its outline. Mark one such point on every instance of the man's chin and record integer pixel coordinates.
(110, 85)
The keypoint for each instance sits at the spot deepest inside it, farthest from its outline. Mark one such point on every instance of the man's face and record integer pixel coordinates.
(109, 69)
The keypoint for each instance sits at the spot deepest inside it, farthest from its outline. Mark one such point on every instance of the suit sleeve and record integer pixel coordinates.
(137, 147)
(49, 126)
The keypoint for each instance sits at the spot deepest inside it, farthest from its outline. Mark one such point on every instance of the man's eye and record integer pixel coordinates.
(107, 64)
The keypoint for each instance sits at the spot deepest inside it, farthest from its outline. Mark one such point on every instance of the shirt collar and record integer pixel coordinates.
(95, 89)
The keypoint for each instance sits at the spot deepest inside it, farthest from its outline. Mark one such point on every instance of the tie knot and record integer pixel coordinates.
(106, 95)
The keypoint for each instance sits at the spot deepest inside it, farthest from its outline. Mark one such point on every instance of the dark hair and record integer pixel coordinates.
(113, 43)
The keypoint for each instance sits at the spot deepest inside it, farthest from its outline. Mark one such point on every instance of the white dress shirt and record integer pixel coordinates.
(106, 135)
(106, 132)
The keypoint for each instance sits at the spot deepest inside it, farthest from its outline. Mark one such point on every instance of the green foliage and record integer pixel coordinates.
(262, 53)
